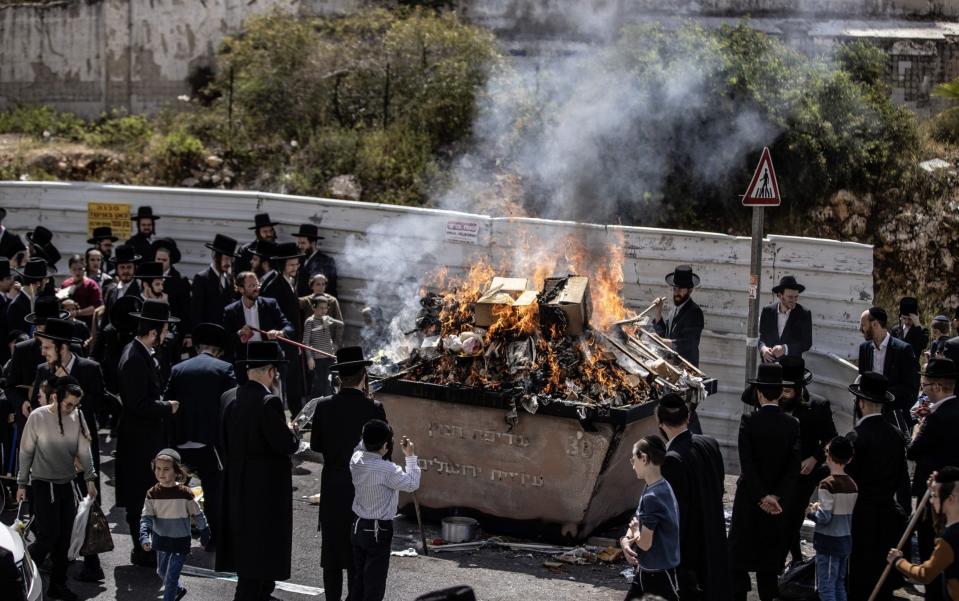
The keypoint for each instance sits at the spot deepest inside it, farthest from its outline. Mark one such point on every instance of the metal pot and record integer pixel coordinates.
(459, 530)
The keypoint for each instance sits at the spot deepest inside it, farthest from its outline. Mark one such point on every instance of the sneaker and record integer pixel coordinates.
(60, 591)
(180, 592)
(90, 574)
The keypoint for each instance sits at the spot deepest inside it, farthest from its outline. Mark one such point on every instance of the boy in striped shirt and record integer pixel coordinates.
(832, 514)
(320, 331)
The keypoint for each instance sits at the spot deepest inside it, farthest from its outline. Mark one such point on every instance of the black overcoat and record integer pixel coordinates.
(141, 244)
(935, 445)
(314, 264)
(917, 337)
(17, 310)
(257, 507)
(900, 367)
(209, 297)
(797, 333)
(769, 465)
(111, 296)
(198, 383)
(276, 287)
(337, 429)
(685, 330)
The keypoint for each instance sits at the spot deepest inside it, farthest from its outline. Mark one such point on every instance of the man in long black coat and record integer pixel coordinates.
(213, 287)
(6, 283)
(142, 430)
(684, 324)
(769, 464)
(10, 243)
(257, 540)
(785, 327)
(899, 364)
(263, 230)
(314, 261)
(280, 285)
(144, 221)
(269, 317)
(337, 428)
(20, 372)
(694, 469)
(124, 262)
(909, 330)
(878, 467)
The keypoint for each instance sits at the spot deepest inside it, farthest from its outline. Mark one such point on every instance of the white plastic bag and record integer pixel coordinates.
(79, 534)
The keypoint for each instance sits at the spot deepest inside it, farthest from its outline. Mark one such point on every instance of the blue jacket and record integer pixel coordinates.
(271, 318)
(197, 384)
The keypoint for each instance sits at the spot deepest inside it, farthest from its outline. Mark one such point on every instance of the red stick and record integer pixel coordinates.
(294, 343)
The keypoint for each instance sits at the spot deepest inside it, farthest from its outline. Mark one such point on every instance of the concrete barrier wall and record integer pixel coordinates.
(838, 275)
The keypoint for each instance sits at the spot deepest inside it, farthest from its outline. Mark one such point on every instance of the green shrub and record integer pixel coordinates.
(122, 131)
(176, 153)
(944, 127)
(394, 165)
(39, 120)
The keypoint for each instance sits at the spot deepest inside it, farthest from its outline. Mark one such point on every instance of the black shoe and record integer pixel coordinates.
(180, 592)
(60, 591)
(146, 559)
(90, 574)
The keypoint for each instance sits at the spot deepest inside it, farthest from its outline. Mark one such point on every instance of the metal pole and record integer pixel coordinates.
(755, 278)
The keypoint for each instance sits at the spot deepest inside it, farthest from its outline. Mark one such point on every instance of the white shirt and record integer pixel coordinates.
(252, 318)
(879, 354)
(781, 318)
(378, 483)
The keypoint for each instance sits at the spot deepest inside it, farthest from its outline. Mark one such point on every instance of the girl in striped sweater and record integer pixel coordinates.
(165, 524)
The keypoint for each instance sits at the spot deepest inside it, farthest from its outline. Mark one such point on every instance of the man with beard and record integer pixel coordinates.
(213, 287)
(280, 285)
(153, 287)
(263, 231)
(893, 358)
(909, 329)
(694, 469)
(769, 462)
(785, 327)
(33, 280)
(146, 228)
(142, 430)
(124, 261)
(176, 286)
(816, 429)
(256, 541)
(103, 240)
(337, 428)
(684, 324)
(244, 317)
(315, 262)
(878, 467)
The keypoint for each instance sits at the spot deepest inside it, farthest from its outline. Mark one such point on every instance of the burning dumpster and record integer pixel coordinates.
(525, 403)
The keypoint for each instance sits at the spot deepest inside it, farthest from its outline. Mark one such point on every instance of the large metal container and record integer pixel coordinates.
(566, 470)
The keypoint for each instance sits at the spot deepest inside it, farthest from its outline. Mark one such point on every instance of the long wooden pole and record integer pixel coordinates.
(902, 542)
(295, 343)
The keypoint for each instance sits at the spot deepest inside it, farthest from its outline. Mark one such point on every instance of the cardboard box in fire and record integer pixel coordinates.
(502, 295)
(572, 298)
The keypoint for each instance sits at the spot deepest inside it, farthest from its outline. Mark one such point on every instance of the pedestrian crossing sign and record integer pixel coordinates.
(763, 190)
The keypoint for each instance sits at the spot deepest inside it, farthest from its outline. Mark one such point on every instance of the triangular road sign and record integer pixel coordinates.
(763, 190)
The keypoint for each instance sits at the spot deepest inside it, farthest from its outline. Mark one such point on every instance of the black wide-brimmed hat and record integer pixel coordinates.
(908, 305)
(350, 360)
(874, 387)
(123, 313)
(49, 253)
(209, 334)
(4, 268)
(144, 212)
(154, 310)
(794, 370)
(940, 368)
(124, 254)
(44, 308)
(284, 251)
(262, 352)
(788, 281)
(263, 249)
(308, 230)
(150, 270)
(263, 220)
(169, 245)
(40, 236)
(223, 245)
(35, 270)
(102, 233)
(683, 277)
(770, 374)
(59, 330)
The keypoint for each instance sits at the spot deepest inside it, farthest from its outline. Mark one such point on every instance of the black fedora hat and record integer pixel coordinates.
(770, 374)
(59, 330)
(144, 212)
(940, 368)
(683, 277)
(284, 251)
(349, 360)
(209, 334)
(49, 253)
(794, 370)
(4, 268)
(308, 230)
(150, 270)
(263, 249)
(169, 245)
(122, 313)
(872, 386)
(154, 310)
(908, 305)
(44, 308)
(35, 270)
(788, 281)
(263, 220)
(223, 245)
(102, 233)
(262, 352)
(40, 236)
(124, 254)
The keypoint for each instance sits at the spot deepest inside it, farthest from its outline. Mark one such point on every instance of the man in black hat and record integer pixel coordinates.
(103, 240)
(213, 287)
(33, 280)
(314, 261)
(142, 429)
(939, 333)
(125, 260)
(242, 318)
(816, 429)
(10, 243)
(878, 467)
(146, 228)
(280, 285)
(694, 469)
(41, 245)
(337, 427)
(198, 383)
(785, 327)
(256, 540)
(934, 445)
(263, 231)
(892, 358)
(6, 284)
(55, 346)
(176, 286)
(684, 324)
(910, 330)
(769, 464)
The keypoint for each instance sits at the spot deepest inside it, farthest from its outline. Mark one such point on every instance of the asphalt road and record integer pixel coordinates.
(494, 574)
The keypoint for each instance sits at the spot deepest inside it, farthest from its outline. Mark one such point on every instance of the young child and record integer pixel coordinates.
(319, 332)
(655, 528)
(166, 520)
(832, 514)
(944, 560)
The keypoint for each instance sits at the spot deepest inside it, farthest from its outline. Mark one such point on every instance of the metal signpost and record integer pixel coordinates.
(763, 191)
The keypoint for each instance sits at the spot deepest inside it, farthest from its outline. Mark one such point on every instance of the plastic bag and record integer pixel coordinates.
(798, 582)
(79, 533)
